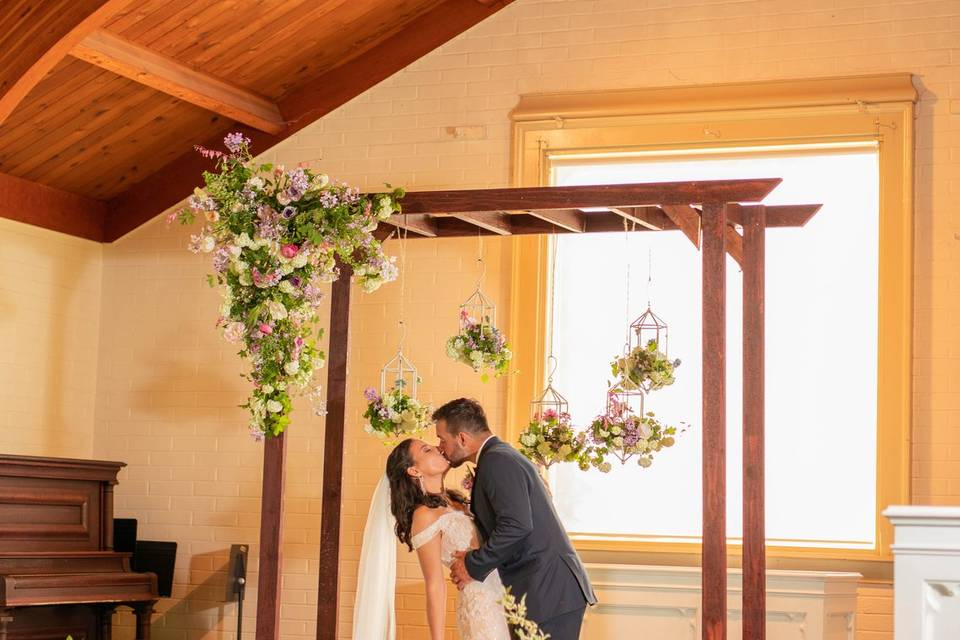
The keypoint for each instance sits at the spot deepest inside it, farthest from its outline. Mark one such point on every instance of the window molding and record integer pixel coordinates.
(815, 111)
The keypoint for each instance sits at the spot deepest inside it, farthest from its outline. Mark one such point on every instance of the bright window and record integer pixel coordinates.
(821, 350)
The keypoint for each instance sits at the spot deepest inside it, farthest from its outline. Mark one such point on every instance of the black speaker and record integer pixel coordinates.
(158, 557)
(125, 535)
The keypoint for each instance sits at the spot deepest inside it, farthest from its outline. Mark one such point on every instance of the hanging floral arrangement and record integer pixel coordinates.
(395, 415)
(550, 438)
(480, 345)
(276, 236)
(644, 368)
(623, 434)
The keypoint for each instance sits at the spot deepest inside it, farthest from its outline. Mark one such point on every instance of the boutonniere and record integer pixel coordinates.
(467, 482)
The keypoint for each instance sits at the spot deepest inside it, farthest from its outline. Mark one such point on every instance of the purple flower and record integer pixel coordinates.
(208, 153)
(371, 394)
(221, 259)
(288, 212)
(329, 199)
(235, 141)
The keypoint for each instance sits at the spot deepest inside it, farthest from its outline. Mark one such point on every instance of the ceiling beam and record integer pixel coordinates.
(496, 222)
(42, 206)
(570, 219)
(417, 223)
(37, 36)
(140, 64)
(687, 219)
(175, 181)
(781, 215)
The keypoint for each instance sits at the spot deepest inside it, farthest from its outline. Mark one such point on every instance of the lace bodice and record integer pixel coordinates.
(479, 613)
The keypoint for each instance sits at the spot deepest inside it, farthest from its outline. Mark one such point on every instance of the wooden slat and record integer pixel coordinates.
(570, 219)
(652, 218)
(36, 38)
(50, 208)
(734, 243)
(714, 548)
(332, 492)
(417, 223)
(688, 219)
(271, 538)
(754, 546)
(494, 221)
(130, 60)
(168, 186)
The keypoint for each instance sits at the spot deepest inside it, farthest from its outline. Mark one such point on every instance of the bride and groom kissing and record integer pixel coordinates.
(506, 533)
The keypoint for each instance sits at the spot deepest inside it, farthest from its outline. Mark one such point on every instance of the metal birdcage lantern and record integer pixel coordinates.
(478, 309)
(399, 373)
(619, 399)
(550, 399)
(649, 326)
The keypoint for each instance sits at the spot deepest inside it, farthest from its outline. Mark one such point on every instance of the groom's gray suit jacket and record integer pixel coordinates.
(523, 537)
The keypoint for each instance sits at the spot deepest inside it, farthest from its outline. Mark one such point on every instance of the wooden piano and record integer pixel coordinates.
(59, 574)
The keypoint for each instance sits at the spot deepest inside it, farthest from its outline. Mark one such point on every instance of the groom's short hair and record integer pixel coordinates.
(463, 414)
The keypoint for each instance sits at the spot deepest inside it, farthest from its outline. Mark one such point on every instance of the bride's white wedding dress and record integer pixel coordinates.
(479, 613)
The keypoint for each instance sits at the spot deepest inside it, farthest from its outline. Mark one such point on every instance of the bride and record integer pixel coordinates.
(411, 503)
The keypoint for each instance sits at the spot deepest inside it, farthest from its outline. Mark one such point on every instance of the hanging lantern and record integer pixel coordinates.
(399, 373)
(649, 327)
(620, 399)
(478, 310)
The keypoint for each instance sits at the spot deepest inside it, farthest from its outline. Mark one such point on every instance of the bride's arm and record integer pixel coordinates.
(433, 575)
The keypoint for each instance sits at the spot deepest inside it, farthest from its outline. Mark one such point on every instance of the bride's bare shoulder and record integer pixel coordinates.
(424, 516)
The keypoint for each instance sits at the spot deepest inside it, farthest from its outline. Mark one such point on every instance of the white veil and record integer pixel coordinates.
(373, 611)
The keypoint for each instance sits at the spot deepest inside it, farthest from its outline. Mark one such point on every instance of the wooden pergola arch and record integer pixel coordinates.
(719, 217)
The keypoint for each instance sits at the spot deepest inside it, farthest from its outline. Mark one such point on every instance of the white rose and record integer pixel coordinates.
(321, 180)
(234, 250)
(256, 182)
(292, 367)
(277, 310)
(267, 389)
(208, 244)
(384, 207)
(300, 260)
(286, 269)
(245, 278)
(274, 407)
(287, 287)
(243, 240)
(615, 430)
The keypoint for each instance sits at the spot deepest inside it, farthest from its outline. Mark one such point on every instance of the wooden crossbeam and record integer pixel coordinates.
(569, 219)
(43, 206)
(496, 222)
(652, 218)
(784, 215)
(37, 36)
(687, 219)
(140, 64)
(418, 223)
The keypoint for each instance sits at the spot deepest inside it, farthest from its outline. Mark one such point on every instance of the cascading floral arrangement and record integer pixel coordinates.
(480, 345)
(550, 438)
(395, 415)
(623, 434)
(276, 236)
(644, 368)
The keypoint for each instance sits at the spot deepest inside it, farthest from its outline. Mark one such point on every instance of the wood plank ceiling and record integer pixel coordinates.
(101, 101)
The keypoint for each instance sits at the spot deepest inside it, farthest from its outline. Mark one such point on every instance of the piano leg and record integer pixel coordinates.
(143, 611)
(6, 617)
(106, 621)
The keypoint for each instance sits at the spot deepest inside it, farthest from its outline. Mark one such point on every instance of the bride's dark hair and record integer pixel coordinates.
(405, 492)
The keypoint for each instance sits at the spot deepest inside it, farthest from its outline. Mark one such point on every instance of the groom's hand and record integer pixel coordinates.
(458, 571)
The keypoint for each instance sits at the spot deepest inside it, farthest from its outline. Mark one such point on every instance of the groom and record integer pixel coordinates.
(522, 535)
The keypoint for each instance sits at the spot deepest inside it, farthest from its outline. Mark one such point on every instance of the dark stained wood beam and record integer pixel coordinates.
(271, 538)
(175, 181)
(496, 222)
(328, 589)
(592, 196)
(42, 206)
(783, 215)
(140, 64)
(687, 219)
(417, 223)
(570, 219)
(36, 36)
(754, 543)
(713, 562)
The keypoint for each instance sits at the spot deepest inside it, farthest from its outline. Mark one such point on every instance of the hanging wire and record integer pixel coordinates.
(553, 312)
(626, 257)
(649, 274)
(403, 283)
(480, 263)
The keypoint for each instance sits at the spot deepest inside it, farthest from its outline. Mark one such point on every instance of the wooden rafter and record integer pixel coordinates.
(37, 36)
(320, 96)
(652, 218)
(140, 64)
(37, 204)
(687, 219)
(569, 219)
(418, 223)
(496, 222)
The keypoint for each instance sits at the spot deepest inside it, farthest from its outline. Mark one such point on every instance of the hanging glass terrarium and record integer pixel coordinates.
(478, 310)
(478, 343)
(399, 373)
(645, 365)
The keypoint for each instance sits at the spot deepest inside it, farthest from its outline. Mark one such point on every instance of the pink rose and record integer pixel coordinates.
(266, 329)
(288, 251)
